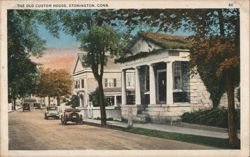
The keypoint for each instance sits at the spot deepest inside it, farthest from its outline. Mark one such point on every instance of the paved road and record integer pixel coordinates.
(29, 131)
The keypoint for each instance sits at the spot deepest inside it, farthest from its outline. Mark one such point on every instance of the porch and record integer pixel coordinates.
(162, 88)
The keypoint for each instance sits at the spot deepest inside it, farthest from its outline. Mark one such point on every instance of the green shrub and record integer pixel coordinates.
(212, 117)
(94, 98)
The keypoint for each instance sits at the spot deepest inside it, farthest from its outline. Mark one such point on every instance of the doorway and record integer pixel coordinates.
(161, 86)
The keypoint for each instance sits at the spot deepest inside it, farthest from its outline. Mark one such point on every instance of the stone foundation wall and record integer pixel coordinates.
(155, 113)
(125, 109)
(165, 114)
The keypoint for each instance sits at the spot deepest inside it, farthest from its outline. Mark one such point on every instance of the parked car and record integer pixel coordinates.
(72, 115)
(51, 112)
(26, 107)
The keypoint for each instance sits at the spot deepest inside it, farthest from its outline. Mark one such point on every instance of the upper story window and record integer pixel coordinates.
(82, 83)
(110, 82)
(77, 84)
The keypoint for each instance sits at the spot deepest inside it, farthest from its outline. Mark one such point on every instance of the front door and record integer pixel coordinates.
(161, 86)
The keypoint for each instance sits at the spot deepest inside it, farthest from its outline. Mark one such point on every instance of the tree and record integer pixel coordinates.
(23, 40)
(99, 43)
(54, 83)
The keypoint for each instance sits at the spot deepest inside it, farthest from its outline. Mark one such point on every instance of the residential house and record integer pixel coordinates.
(164, 88)
(85, 84)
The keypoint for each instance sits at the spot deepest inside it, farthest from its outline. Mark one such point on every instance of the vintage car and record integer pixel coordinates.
(72, 115)
(26, 107)
(51, 111)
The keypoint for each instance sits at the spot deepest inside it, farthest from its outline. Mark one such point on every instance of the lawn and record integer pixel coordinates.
(208, 141)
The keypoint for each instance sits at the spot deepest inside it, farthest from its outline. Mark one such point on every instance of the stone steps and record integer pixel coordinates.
(142, 117)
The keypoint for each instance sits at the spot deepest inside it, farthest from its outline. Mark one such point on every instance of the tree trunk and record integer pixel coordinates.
(102, 103)
(231, 113)
(14, 104)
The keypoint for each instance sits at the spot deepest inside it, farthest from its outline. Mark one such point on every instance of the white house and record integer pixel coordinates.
(85, 83)
(164, 88)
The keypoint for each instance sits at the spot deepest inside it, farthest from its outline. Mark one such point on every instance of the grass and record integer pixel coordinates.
(208, 141)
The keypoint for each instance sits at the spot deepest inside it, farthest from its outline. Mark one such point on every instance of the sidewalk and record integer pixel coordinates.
(184, 128)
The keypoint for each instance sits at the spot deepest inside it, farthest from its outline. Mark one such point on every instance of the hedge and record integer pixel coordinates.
(211, 117)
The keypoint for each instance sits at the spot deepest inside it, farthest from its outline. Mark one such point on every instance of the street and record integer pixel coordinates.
(30, 131)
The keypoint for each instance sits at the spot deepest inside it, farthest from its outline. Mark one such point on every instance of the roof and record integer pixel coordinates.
(167, 41)
(110, 64)
(54, 58)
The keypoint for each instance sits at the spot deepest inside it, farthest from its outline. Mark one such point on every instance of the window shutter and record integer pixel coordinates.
(82, 83)
(106, 82)
(114, 82)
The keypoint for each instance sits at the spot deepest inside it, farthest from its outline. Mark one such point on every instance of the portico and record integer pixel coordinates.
(164, 88)
(159, 83)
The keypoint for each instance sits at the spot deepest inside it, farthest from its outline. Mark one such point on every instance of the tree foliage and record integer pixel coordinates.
(54, 83)
(73, 101)
(23, 40)
(94, 98)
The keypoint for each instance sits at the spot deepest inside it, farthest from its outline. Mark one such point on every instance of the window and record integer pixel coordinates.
(146, 79)
(77, 84)
(177, 76)
(181, 82)
(105, 82)
(109, 82)
(82, 82)
(114, 82)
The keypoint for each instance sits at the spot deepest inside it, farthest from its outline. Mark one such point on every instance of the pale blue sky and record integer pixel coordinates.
(64, 40)
(67, 41)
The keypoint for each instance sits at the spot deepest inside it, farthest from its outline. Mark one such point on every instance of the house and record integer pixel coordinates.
(84, 84)
(164, 88)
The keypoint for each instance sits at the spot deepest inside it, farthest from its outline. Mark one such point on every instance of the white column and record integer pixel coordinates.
(124, 95)
(169, 83)
(137, 87)
(115, 101)
(152, 85)
(86, 99)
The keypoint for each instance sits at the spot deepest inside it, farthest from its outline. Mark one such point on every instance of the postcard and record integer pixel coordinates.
(124, 78)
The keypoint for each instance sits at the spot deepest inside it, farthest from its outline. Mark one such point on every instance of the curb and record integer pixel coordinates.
(110, 126)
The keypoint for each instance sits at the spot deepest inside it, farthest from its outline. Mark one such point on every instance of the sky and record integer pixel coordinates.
(64, 40)
(68, 41)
